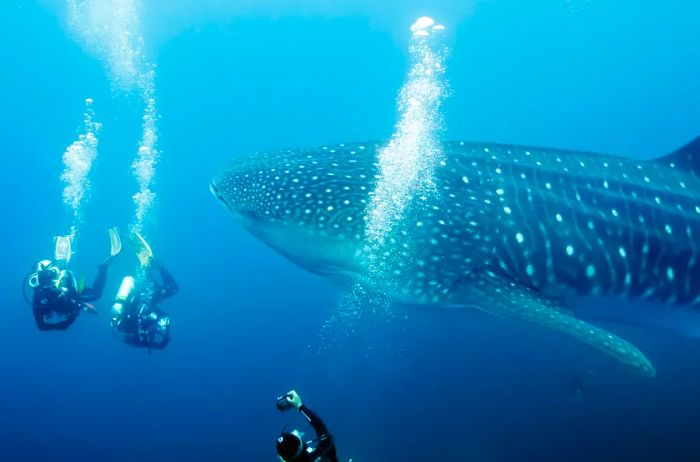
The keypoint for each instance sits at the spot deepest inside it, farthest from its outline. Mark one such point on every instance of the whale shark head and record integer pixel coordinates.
(309, 205)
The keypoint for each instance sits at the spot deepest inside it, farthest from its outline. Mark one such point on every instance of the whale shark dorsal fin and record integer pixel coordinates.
(687, 158)
(505, 298)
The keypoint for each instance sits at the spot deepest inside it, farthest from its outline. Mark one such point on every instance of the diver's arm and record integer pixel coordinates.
(326, 445)
(310, 415)
(39, 318)
(90, 294)
(152, 345)
(62, 325)
(314, 420)
(43, 325)
(40, 311)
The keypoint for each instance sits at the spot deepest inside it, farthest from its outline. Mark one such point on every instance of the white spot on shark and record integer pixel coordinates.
(590, 271)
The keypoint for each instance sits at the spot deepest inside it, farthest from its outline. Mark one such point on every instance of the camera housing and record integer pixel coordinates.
(284, 403)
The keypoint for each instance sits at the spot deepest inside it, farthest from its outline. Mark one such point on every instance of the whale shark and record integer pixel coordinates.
(526, 233)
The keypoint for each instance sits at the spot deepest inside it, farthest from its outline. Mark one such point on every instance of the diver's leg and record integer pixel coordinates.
(98, 286)
(170, 287)
(107, 260)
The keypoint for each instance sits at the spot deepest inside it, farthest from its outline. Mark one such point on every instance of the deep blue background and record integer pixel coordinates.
(425, 385)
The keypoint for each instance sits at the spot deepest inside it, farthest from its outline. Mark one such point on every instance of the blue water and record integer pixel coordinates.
(423, 385)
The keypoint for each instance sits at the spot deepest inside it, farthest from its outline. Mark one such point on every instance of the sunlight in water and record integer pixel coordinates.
(406, 163)
(78, 159)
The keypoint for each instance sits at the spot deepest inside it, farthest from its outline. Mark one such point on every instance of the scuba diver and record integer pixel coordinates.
(291, 447)
(136, 319)
(58, 299)
(580, 384)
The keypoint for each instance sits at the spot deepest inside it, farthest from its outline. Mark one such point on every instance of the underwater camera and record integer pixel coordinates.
(284, 403)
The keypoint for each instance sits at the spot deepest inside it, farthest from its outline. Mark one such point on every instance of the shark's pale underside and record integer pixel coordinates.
(521, 232)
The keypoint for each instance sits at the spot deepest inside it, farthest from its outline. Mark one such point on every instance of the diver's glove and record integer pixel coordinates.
(88, 308)
(294, 398)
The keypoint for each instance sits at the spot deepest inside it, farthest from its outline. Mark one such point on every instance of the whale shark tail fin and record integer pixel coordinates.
(687, 158)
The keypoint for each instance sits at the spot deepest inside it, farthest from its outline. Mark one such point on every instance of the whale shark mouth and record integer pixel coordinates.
(270, 234)
(215, 192)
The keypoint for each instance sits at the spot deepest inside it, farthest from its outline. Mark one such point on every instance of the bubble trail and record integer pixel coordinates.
(78, 159)
(355, 304)
(406, 163)
(111, 29)
(405, 168)
(144, 166)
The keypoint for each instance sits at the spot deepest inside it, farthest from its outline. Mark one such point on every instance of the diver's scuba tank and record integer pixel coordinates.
(124, 295)
(31, 281)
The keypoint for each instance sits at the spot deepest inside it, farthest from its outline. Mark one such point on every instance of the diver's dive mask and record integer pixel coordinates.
(46, 273)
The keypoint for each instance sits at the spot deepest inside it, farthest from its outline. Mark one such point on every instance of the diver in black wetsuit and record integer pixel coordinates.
(57, 299)
(56, 295)
(290, 446)
(136, 318)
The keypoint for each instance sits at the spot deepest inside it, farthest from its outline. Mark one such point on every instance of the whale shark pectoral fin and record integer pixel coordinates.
(508, 299)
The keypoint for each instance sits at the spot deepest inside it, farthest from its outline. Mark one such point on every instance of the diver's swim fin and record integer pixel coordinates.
(63, 250)
(115, 241)
(143, 250)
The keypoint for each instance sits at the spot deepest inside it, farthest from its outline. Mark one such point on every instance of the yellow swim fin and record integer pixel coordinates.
(143, 250)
